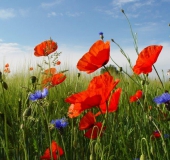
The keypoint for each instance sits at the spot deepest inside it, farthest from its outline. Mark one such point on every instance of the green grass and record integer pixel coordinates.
(128, 131)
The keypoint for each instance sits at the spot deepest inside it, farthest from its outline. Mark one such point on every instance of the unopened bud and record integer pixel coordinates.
(112, 40)
(122, 11)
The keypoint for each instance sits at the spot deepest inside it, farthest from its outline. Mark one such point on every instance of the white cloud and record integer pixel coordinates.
(122, 2)
(7, 13)
(75, 14)
(147, 26)
(51, 4)
(24, 12)
(52, 14)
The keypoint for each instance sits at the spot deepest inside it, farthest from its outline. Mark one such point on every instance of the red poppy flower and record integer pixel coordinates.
(45, 48)
(47, 76)
(57, 151)
(97, 93)
(74, 111)
(97, 57)
(51, 78)
(58, 63)
(147, 57)
(50, 71)
(103, 84)
(113, 103)
(82, 101)
(58, 78)
(7, 70)
(136, 96)
(93, 129)
(156, 134)
(7, 65)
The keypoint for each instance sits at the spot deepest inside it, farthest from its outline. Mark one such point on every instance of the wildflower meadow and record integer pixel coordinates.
(101, 112)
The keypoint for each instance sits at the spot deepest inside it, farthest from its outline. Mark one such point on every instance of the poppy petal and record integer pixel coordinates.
(74, 110)
(87, 121)
(58, 78)
(94, 132)
(45, 48)
(56, 152)
(97, 57)
(147, 57)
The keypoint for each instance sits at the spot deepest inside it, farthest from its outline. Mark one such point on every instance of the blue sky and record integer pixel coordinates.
(75, 25)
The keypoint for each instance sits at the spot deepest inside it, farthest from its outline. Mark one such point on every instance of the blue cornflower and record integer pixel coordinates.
(165, 97)
(38, 94)
(101, 33)
(166, 135)
(60, 123)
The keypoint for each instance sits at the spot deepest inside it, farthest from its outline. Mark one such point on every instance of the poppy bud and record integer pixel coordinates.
(21, 126)
(33, 79)
(112, 40)
(142, 157)
(0, 76)
(27, 113)
(4, 84)
(143, 82)
(120, 69)
(74, 144)
(122, 11)
(91, 157)
(78, 75)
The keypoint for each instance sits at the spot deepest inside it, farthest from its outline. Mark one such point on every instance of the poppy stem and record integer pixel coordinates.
(144, 139)
(163, 142)
(101, 112)
(63, 146)
(124, 54)
(124, 71)
(159, 77)
(133, 35)
(106, 69)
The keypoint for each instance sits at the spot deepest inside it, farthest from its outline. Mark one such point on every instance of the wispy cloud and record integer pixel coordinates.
(113, 12)
(52, 14)
(75, 14)
(69, 14)
(24, 12)
(147, 26)
(7, 13)
(122, 2)
(51, 4)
